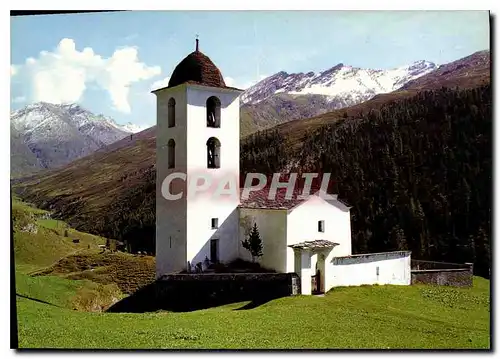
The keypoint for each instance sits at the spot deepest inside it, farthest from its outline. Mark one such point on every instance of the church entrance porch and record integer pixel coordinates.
(310, 266)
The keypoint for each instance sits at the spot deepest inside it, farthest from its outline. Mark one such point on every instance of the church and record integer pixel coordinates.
(198, 131)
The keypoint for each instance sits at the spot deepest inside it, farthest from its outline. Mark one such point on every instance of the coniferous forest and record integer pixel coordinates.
(417, 173)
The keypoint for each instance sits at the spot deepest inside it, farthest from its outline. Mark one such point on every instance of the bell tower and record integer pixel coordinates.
(197, 143)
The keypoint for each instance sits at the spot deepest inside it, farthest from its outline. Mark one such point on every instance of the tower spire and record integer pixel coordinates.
(197, 43)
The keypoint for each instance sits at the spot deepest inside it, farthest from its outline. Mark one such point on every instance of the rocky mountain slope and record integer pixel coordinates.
(45, 135)
(469, 72)
(343, 84)
(474, 70)
(284, 97)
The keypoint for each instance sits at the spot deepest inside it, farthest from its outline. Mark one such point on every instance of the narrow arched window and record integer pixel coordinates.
(213, 112)
(171, 153)
(213, 153)
(171, 112)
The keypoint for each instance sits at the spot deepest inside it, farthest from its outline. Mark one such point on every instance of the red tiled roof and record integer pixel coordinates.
(260, 199)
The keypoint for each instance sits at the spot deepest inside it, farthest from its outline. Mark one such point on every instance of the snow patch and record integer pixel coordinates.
(340, 82)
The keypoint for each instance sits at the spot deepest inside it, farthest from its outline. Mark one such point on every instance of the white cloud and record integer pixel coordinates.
(229, 81)
(13, 70)
(253, 82)
(160, 83)
(62, 76)
(232, 82)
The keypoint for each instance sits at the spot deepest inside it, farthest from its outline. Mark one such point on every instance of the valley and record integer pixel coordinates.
(362, 142)
(93, 193)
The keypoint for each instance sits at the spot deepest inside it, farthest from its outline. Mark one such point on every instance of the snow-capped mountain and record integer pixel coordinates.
(132, 128)
(58, 134)
(343, 84)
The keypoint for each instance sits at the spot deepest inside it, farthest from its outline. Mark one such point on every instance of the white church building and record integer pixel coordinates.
(198, 131)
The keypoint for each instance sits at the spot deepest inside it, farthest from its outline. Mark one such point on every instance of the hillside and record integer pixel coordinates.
(40, 240)
(474, 70)
(45, 136)
(417, 171)
(22, 160)
(68, 294)
(80, 275)
(95, 194)
(281, 108)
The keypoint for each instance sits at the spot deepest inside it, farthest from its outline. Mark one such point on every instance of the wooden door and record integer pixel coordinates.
(214, 250)
(316, 282)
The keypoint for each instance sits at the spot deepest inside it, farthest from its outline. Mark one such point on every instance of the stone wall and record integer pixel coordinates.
(188, 292)
(439, 273)
(420, 265)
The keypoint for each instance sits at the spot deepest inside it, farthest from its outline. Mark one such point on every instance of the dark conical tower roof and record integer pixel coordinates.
(197, 68)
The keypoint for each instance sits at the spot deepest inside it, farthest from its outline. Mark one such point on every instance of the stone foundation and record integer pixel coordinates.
(440, 273)
(188, 292)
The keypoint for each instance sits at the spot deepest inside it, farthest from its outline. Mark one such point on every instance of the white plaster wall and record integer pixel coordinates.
(302, 224)
(170, 218)
(306, 271)
(183, 227)
(200, 232)
(228, 133)
(394, 268)
(202, 209)
(272, 230)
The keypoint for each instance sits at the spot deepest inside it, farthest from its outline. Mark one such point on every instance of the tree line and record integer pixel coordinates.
(417, 173)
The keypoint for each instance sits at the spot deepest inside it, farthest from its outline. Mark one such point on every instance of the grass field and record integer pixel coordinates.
(40, 241)
(362, 317)
(55, 311)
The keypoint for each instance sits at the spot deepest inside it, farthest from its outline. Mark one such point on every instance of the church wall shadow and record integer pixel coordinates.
(190, 292)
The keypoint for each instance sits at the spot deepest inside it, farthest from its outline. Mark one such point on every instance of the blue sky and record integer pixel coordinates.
(108, 62)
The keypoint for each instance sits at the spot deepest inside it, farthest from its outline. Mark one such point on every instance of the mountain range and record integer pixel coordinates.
(345, 85)
(45, 135)
(284, 97)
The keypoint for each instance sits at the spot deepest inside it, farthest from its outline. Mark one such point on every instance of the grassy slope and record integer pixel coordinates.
(361, 317)
(34, 251)
(127, 271)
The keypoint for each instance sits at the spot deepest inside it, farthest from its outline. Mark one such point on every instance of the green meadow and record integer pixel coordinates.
(61, 305)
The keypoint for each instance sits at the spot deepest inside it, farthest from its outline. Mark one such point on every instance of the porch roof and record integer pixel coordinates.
(315, 244)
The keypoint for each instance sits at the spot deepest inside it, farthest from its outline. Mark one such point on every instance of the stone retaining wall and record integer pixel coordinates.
(188, 292)
(439, 273)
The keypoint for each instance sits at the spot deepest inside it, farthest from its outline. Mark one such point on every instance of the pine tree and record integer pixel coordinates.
(253, 243)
